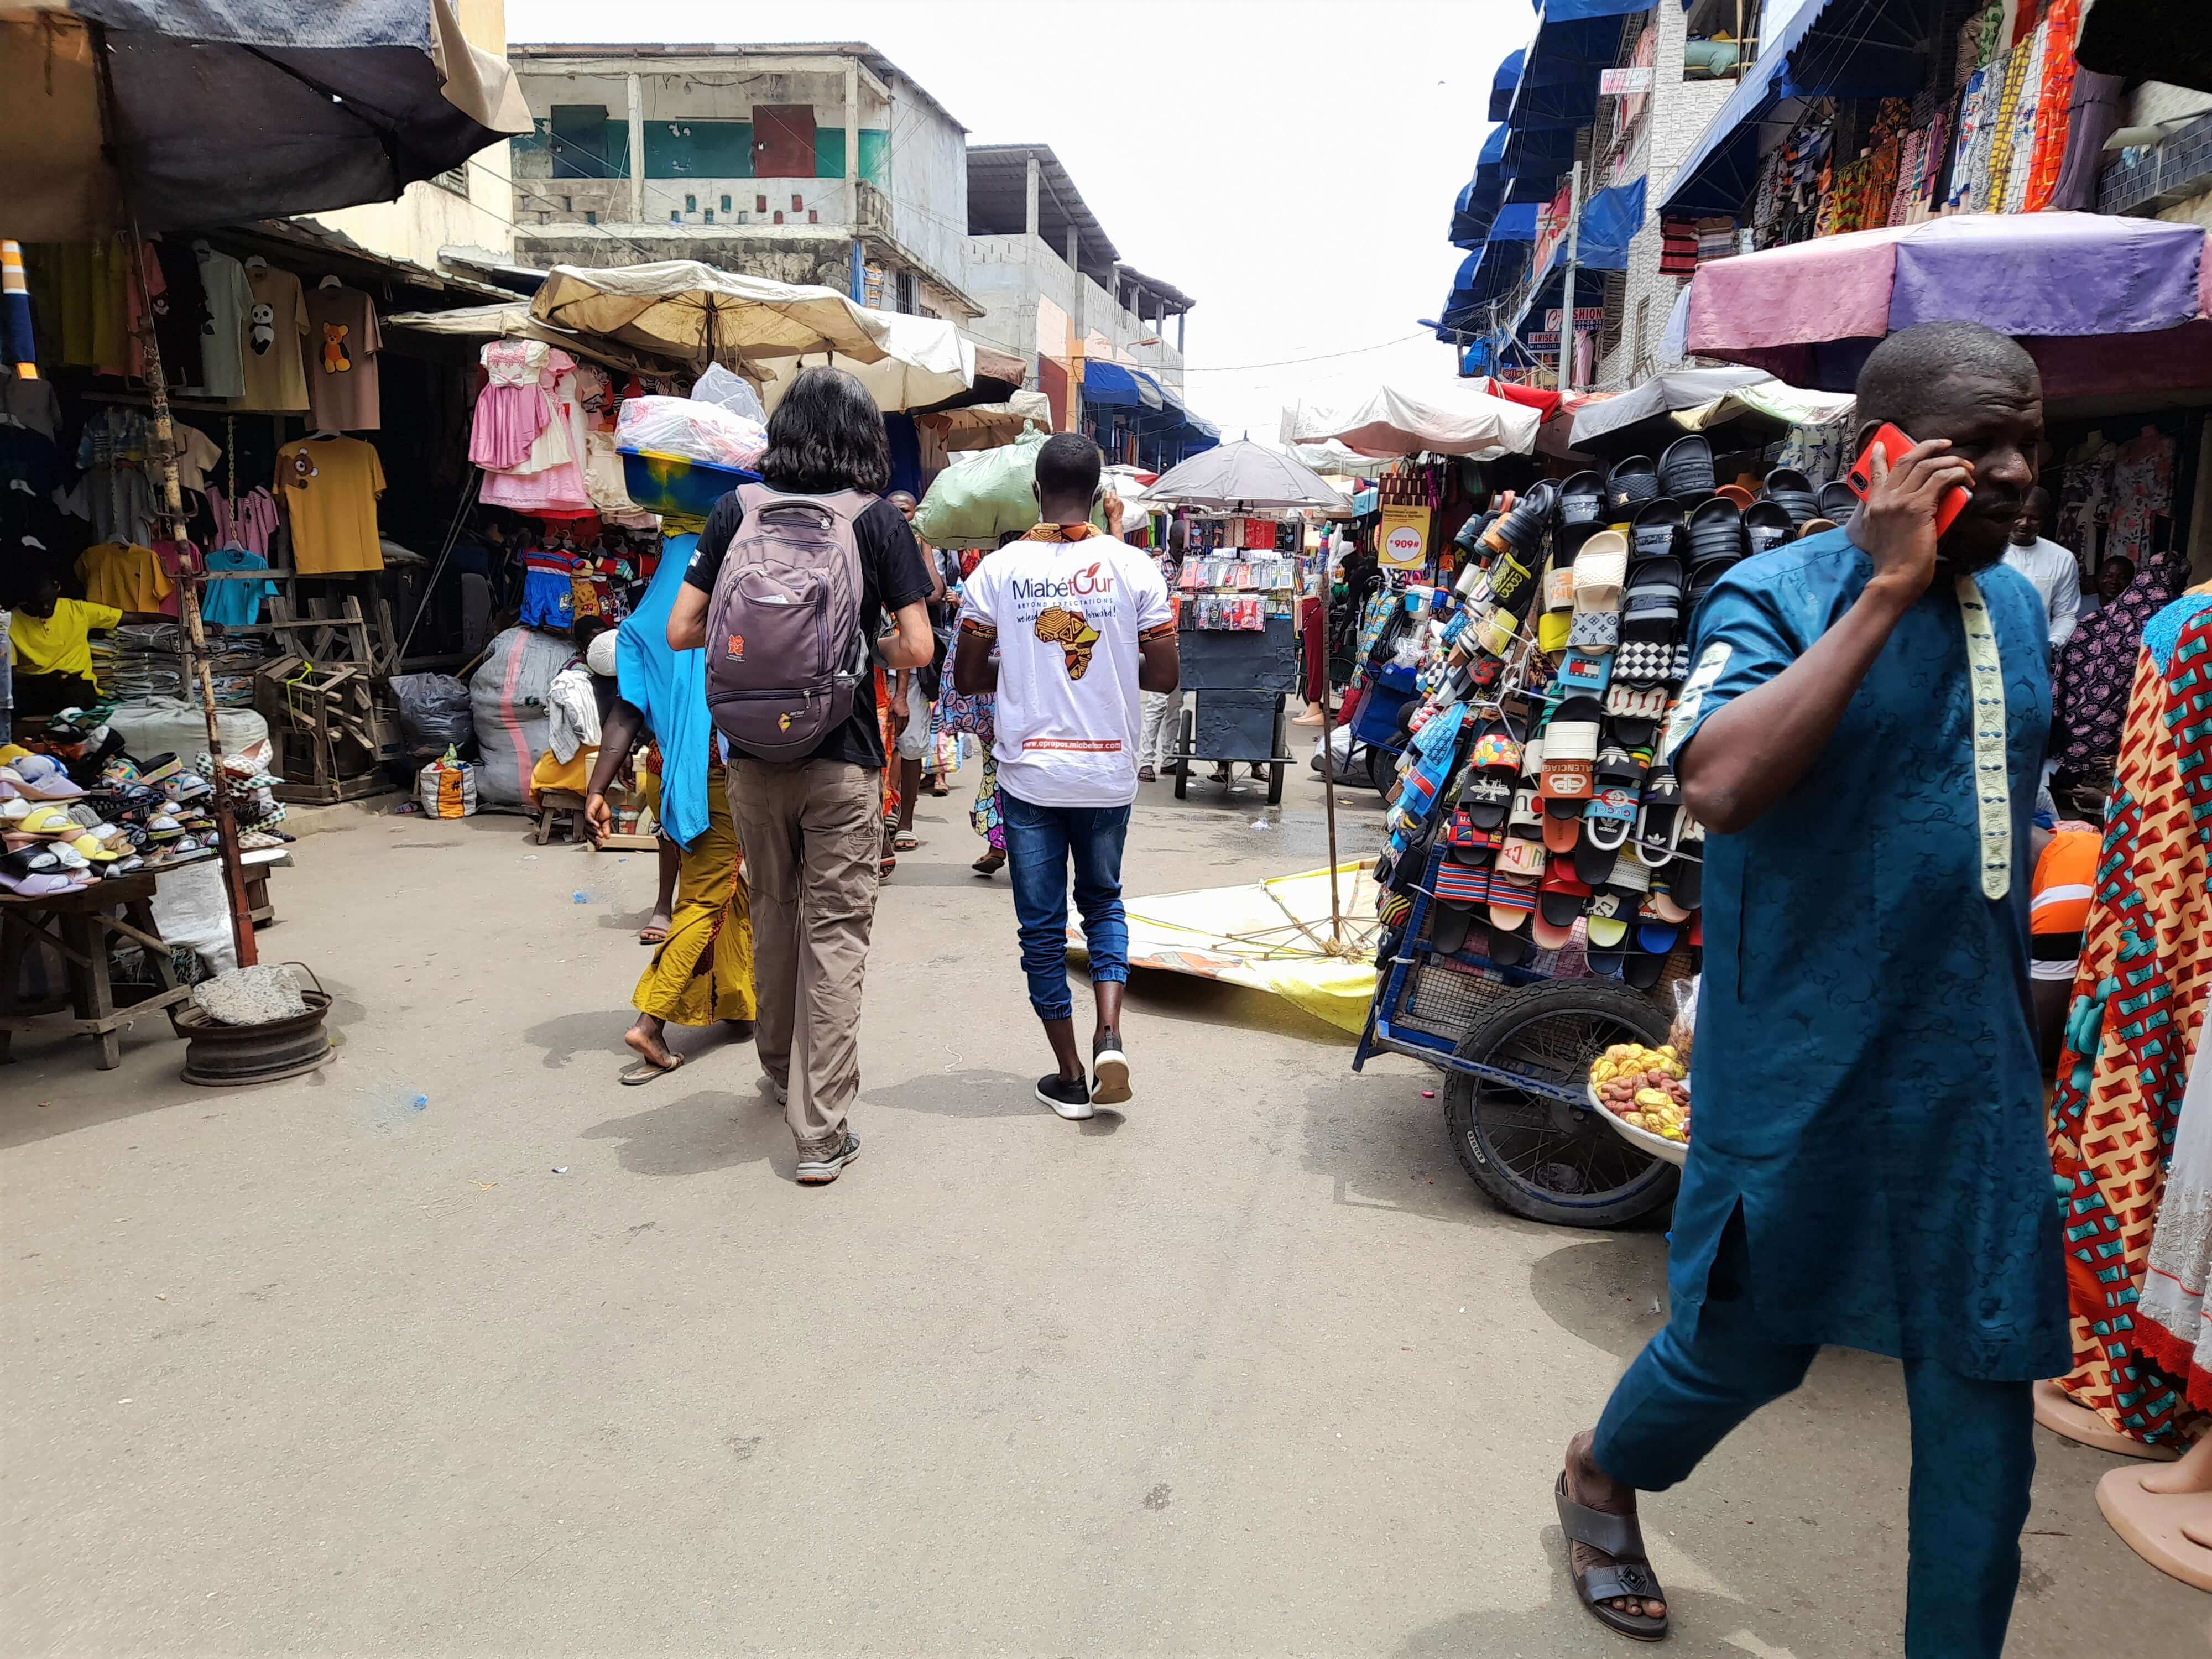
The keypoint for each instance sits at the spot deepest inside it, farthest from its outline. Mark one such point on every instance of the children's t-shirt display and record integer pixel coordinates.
(329, 486)
(222, 331)
(234, 604)
(128, 577)
(275, 325)
(342, 342)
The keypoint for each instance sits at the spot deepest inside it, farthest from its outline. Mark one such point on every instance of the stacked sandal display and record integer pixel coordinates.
(1533, 805)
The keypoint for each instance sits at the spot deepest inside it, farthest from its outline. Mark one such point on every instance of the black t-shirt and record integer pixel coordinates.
(893, 575)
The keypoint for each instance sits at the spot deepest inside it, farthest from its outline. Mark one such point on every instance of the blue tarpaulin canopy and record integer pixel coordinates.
(1502, 85)
(1827, 48)
(1479, 198)
(1490, 271)
(1166, 431)
(1610, 221)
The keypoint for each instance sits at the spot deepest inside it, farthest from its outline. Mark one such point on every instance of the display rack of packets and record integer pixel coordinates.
(1228, 591)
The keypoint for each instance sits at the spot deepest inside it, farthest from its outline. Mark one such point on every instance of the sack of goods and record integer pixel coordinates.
(982, 496)
(691, 430)
(447, 788)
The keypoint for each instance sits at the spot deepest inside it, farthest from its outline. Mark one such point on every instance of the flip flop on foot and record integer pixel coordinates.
(654, 1059)
(655, 932)
(989, 864)
(1612, 1575)
(904, 843)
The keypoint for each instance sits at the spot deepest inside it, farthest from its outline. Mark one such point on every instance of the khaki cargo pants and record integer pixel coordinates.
(812, 834)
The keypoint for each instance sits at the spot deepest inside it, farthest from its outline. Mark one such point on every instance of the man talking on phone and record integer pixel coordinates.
(1861, 736)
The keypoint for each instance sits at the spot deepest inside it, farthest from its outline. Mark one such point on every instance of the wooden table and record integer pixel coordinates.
(76, 925)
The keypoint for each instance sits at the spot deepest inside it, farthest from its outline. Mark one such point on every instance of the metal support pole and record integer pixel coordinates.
(1567, 310)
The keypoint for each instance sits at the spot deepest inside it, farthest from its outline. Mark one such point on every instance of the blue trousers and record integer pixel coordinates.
(1041, 841)
(1973, 1455)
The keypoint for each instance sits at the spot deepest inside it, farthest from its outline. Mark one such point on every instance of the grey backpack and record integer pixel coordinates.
(784, 653)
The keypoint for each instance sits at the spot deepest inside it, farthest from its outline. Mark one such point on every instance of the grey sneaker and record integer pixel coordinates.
(1109, 1070)
(1070, 1098)
(823, 1167)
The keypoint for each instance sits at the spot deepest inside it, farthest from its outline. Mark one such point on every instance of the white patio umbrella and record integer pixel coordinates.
(1247, 476)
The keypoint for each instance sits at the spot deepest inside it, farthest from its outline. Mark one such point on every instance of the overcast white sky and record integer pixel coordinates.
(1292, 166)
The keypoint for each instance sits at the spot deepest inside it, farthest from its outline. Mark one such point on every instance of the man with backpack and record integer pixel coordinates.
(1082, 624)
(786, 594)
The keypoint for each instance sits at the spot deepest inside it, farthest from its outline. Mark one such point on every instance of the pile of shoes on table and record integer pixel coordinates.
(1535, 783)
(81, 808)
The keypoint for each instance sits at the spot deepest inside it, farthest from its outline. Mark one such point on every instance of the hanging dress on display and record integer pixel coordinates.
(2137, 1015)
(548, 481)
(513, 409)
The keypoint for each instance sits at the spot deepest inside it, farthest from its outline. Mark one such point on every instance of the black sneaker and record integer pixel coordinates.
(819, 1171)
(1109, 1070)
(1071, 1099)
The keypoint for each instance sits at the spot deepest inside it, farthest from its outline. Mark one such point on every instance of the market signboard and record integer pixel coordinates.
(1402, 539)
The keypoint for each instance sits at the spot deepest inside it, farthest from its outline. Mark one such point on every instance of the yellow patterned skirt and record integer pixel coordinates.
(704, 972)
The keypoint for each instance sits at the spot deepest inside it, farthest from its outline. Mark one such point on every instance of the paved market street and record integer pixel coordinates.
(548, 1364)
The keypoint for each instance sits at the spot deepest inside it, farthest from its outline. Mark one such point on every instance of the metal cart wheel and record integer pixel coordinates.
(1183, 757)
(1537, 1148)
(1275, 772)
(1382, 770)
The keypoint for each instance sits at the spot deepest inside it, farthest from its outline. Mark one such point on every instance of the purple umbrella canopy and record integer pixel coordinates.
(2058, 282)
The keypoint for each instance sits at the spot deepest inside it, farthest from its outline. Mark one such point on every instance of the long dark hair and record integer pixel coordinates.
(826, 435)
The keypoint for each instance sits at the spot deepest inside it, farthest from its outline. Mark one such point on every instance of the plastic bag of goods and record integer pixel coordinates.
(691, 431)
(508, 698)
(434, 711)
(447, 787)
(982, 496)
(720, 385)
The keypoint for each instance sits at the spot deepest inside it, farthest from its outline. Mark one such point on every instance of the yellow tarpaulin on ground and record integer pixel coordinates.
(1271, 936)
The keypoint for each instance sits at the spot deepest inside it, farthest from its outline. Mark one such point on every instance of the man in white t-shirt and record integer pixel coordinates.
(1082, 624)
(2055, 572)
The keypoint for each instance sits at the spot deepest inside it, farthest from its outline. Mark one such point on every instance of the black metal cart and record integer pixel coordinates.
(1516, 1046)
(1241, 678)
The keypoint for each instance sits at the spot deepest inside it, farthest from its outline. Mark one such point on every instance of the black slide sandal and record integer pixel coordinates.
(1629, 1575)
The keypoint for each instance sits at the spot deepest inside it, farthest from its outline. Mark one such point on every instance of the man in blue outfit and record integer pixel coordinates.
(1861, 736)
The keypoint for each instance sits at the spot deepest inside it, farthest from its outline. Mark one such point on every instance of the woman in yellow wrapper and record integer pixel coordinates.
(703, 972)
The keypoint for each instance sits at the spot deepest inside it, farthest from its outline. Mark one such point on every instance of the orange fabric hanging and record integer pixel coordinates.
(2052, 129)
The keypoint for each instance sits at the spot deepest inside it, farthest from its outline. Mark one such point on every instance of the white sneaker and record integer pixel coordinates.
(1110, 1071)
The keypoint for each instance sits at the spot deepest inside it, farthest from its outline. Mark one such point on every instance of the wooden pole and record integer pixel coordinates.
(171, 508)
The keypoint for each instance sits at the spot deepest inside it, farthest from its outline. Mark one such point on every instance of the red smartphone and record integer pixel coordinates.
(1894, 445)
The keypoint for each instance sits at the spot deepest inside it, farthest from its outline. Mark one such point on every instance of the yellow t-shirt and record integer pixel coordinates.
(329, 486)
(125, 576)
(61, 643)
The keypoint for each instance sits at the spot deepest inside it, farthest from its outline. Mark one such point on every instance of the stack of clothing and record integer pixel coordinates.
(139, 662)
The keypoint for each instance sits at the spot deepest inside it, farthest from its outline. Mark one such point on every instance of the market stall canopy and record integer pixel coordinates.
(2109, 308)
(1631, 413)
(925, 361)
(513, 321)
(1160, 413)
(986, 426)
(226, 111)
(1244, 475)
(695, 313)
(1444, 416)
(1330, 457)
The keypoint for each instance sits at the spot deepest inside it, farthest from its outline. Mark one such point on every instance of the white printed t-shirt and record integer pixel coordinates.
(1067, 616)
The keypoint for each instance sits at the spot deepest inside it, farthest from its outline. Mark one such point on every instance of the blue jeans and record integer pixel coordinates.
(1040, 841)
(1973, 1455)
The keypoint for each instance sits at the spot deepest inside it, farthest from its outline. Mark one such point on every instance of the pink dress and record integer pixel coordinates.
(513, 409)
(548, 481)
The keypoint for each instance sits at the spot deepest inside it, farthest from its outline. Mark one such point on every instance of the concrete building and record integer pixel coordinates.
(1648, 138)
(1052, 285)
(470, 208)
(814, 163)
